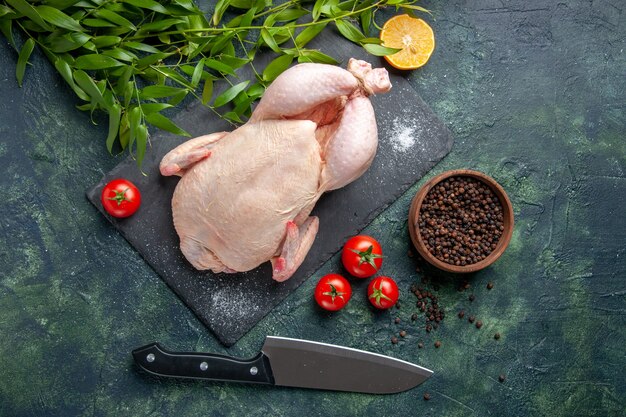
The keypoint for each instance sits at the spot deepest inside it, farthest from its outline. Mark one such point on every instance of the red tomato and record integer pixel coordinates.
(362, 256)
(333, 292)
(382, 292)
(120, 198)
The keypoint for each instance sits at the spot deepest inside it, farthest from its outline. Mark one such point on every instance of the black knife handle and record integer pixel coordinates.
(156, 360)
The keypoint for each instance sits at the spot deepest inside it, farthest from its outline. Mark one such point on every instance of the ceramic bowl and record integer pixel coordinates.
(505, 238)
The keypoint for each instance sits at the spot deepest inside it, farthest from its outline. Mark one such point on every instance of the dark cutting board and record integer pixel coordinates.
(411, 141)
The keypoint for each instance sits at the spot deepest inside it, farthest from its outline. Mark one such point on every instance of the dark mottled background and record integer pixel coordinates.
(535, 94)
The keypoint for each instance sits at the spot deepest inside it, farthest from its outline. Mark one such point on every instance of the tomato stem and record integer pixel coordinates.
(377, 294)
(334, 293)
(120, 197)
(367, 256)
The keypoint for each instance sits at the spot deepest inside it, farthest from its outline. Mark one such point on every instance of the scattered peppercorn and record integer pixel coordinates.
(489, 285)
(403, 333)
(479, 324)
(397, 320)
(398, 305)
(437, 344)
(426, 396)
(420, 345)
(472, 297)
(466, 285)
(471, 319)
(410, 253)
(394, 340)
(414, 316)
(461, 221)
(461, 314)
(496, 336)
(502, 377)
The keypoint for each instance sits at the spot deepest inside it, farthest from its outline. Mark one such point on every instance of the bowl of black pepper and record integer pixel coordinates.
(461, 221)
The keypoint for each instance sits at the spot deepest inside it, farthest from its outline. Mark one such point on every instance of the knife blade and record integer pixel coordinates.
(290, 362)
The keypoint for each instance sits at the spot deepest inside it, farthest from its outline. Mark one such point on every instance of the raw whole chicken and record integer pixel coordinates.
(245, 196)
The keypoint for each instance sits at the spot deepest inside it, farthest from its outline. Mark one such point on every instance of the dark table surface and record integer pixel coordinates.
(535, 95)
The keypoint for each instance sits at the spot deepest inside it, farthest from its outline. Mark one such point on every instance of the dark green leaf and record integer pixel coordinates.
(115, 113)
(6, 26)
(142, 142)
(151, 59)
(148, 108)
(308, 34)
(349, 31)
(85, 82)
(113, 17)
(379, 50)
(29, 11)
(276, 67)
(134, 119)
(233, 61)
(96, 62)
(159, 25)
(124, 134)
(22, 59)
(197, 74)
(141, 47)
(177, 98)
(230, 94)
(311, 55)
(148, 4)
(232, 116)
(162, 122)
(221, 43)
(66, 72)
(61, 4)
(4, 10)
(159, 91)
(219, 66)
(106, 41)
(58, 18)
(67, 42)
(269, 40)
(207, 91)
(242, 4)
(256, 90)
(98, 23)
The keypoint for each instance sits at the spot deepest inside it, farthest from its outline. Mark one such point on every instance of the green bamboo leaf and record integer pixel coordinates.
(366, 21)
(177, 98)
(98, 23)
(379, 50)
(141, 47)
(269, 40)
(113, 17)
(276, 67)
(6, 26)
(142, 142)
(219, 66)
(134, 120)
(4, 10)
(242, 4)
(148, 108)
(207, 91)
(115, 113)
(317, 9)
(159, 25)
(159, 91)
(242, 20)
(66, 72)
(67, 42)
(22, 59)
(256, 90)
(197, 74)
(221, 44)
(311, 55)
(106, 41)
(232, 116)
(162, 122)
(308, 34)
(349, 31)
(414, 7)
(220, 8)
(29, 11)
(58, 18)
(230, 94)
(85, 82)
(147, 4)
(124, 133)
(287, 15)
(233, 61)
(61, 4)
(96, 62)
(151, 59)
(121, 54)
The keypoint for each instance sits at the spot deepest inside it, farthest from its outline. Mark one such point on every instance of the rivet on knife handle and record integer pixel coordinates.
(156, 360)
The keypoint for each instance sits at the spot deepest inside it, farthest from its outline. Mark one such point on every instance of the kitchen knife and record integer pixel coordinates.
(290, 362)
